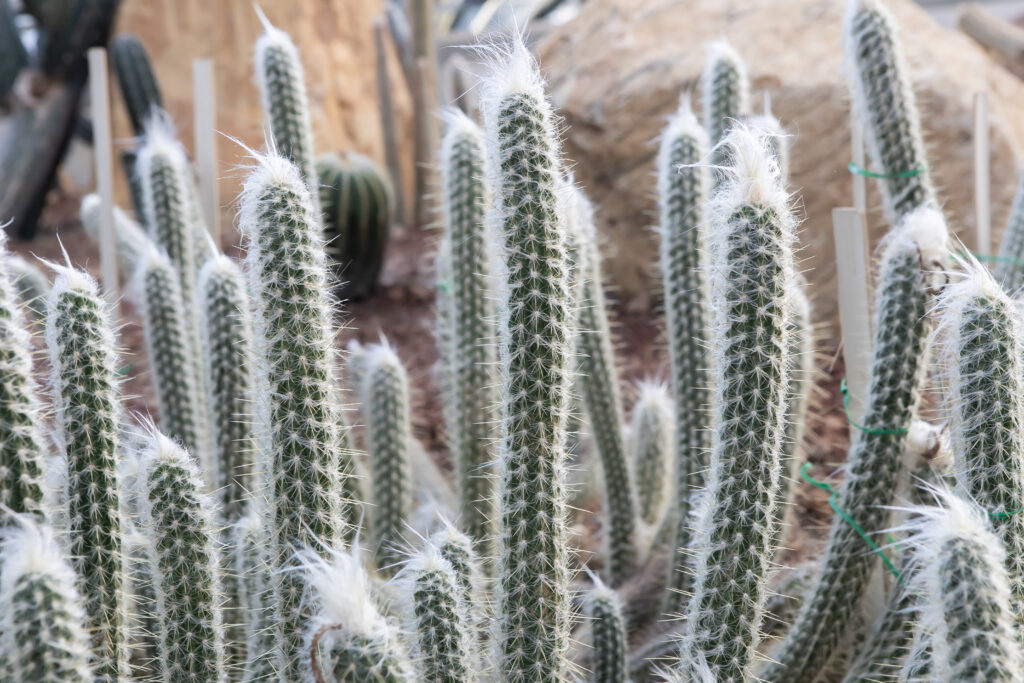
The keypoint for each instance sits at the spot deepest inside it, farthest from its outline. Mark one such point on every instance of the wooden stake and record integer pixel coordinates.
(387, 118)
(981, 174)
(854, 308)
(205, 125)
(99, 101)
(860, 190)
(426, 140)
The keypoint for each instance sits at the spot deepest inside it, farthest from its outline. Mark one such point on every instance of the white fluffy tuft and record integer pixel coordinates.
(511, 70)
(344, 593)
(752, 176)
(923, 228)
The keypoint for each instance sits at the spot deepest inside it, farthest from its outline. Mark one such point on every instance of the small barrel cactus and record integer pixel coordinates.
(355, 196)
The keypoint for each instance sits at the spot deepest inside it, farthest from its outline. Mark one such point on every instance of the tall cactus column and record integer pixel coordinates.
(912, 252)
(83, 361)
(472, 354)
(682, 189)
(751, 273)
(534, 336)
(296, 414)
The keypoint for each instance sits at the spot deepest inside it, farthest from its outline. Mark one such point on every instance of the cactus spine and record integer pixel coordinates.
(682, 188)
(82, 357)
(608, 635)
(883, 96)
(1009, 267)
(21, 441)
(348, 637)
(967, 599)
(297, 419)
(982, 353)
(472, 354)
(439, 618)
(751, 275)
(42, 638)
(282, 84)
(385, 398)
(186, 574)
(534, 334)
(651, 447)
(913, 249)
(600, 383)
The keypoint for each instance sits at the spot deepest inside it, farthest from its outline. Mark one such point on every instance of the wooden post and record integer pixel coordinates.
(854, 308)
(99, 101)
(981, 175)
(860, 190)
(205, 125)
(387, 119)
(426, 140)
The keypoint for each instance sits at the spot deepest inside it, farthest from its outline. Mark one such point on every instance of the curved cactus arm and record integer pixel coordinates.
(883, 96)
(297, 412)
(42, 633)
(178, 518)
(534, 334)
(348, 638)
(683, 185)
(751, 276)
(282, 84)
(651, 445)
(467, 312)
(83, 361)
(608, 634)
(131, 239)
(1009, 266)
(913, 252)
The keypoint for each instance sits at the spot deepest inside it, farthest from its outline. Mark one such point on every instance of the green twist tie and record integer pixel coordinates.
(1004, 515)
(857, 170)
(996, 259)
(846, 408)
(444, 286)
(825, 486)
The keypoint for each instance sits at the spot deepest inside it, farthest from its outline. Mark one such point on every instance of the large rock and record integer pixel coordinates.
(617, 71)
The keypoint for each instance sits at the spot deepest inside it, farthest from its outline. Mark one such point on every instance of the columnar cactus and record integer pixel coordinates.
(891, 637)
(801, 382)
(458, 550)
(178, 518)
(913, 251)
(683, 186)
(1009, 265)
(42, 634)
(348, 639)
(983, 343)
(608, 635)
(157, 291)
(252, 573)
(967, 603)
(384, 396)
(131, 239)
(599, 380)
(83, 360)
(32, 286)
(751, 275)
(883, 95)
(534, 336)
(469, 322)
(725, 90)
(651, 445)
(297, 421)
(282, 85)
(438, 617)
(22, 447)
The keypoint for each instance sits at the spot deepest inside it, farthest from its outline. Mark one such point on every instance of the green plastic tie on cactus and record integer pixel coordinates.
(825, 486)
(846, 408)
(995, 258)
(910, 173)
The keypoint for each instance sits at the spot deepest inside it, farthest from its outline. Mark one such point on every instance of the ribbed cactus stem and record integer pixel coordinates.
(884, 98)
(602, 397)
(385, 398)
(348, 639)
(751, 275)
(131, 239)
(967, 603)
(297, 418)
(683, 186)
(912, 253)
(469, 322)
(32, 286)
(889, 639)
(22, 447)
(282, 84)
(165, 326)
(801, 381)
(983, 343)
(652, 447)
(438, 617)
(534, 334)
(608, 635)
(178, 518)
(42, 634)
(458, 550)
(1009, 266)
(248, 546)
(725, 90)
(80, 340)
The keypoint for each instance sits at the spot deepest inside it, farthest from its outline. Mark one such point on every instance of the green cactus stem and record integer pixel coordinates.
(651, 444)
(1009, 266)
(130, 238)
(608, 635)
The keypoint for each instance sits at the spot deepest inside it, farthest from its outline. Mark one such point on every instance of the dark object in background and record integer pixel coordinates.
(135, 76)
(355, 197)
